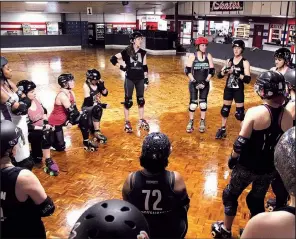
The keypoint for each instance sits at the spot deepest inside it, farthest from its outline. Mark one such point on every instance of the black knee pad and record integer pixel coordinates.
(96, 113)
(229, 201)
(225, 110)
(46, 139)
(128, 103)
(141, 101)
(84, 121)
(240, 113)
(203, 105)
(59, 141)
(255, 204)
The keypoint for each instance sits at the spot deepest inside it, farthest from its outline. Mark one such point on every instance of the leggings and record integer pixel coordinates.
(129, 86)
(280, 191)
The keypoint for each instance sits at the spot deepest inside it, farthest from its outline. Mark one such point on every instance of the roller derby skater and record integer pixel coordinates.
(280, 223)
(277, 184)
(282, 58)
(136, 72)
(237, 70)
(252, 158)
(23, 200)
(15, 107)
(159, 194)
(94, 88)
(40, 132)
(199, 69)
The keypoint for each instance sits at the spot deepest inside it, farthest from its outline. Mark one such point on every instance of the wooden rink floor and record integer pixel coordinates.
(86, 178)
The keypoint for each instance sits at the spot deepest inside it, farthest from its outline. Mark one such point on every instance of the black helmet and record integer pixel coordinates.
(4, 61)
(283, 53)
(290, 78)
(239, 43)
(25, 86)
(10, 135)
(93, 74)
(64, 78)
(110, 219)
(270, 84)
(155, 152)
(135, 35)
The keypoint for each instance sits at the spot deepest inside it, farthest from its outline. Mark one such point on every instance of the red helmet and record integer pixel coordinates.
(201, 40)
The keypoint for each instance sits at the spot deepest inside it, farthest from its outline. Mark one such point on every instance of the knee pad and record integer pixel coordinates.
(96, 113)
(255, 204)
(240, 113)
(84, 121)
(225, 110)
(229, 201)
(193, 105)
(141, 101)
(27, 163)
(128, 103)
(203, 105)
(46, 139)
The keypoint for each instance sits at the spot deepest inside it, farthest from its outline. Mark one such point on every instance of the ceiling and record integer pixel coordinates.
(148, 7)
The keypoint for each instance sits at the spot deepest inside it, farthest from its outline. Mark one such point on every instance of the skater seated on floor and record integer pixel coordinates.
(159, 194)
(94, 88)
(40, 132)
(23, 199)
(111, 219)
(281, 222)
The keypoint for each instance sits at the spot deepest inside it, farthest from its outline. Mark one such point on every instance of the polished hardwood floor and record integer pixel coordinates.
(89, 177)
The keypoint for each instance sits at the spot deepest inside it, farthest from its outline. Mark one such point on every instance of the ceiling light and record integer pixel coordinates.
(36, 2)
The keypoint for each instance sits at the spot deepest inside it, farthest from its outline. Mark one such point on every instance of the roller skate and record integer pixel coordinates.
(143, 124)
(90, 145)
(221, 133)
(128, 127)
(190, 128)
(100, 137)
(271, 204)
(218, 231)
(202, 126)
(51, 167)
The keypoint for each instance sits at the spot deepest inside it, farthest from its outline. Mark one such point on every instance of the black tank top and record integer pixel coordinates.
(17, 218)
(258, 155)
(89, 101)
(134, 65)
(200, 69)
(154, 196)
(233, 81)
(286, 209)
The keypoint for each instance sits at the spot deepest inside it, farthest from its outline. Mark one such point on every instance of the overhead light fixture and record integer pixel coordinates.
(37, 2)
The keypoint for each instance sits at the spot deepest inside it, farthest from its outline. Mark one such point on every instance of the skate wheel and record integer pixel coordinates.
(92, 149)
(270, 208)
(95, 139)
(213, 234)
(51, 173)
(102, 142)
(85, 148)
(45, 170)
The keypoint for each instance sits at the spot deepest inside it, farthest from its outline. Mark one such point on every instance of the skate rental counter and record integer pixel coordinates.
(17, 42)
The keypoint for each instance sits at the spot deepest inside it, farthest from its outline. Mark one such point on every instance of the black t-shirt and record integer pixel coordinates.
(134, 64)
(18, 219)
(258, 155)
(154, 196)
(233, 81)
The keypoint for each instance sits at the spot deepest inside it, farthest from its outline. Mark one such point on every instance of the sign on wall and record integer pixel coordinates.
(89, 10)
(218, 6)
(276, 26)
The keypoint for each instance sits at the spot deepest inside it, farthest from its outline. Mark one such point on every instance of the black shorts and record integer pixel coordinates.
(237, 94)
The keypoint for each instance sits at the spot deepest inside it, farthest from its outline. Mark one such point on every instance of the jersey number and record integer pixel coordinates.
(154, 194)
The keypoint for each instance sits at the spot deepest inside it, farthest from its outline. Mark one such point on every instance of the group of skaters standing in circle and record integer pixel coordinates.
(160, 195)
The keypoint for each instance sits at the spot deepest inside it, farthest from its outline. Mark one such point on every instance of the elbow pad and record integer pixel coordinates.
(105, 93)
(247, 79)
(187, 70)
(219, 75)
(145, 68)
(113, 60)
(10, 102)
(21, 110)
(146, 81)
(74, 114)
(26, 101)
(212, 71)
(240, 144)
(46, 208)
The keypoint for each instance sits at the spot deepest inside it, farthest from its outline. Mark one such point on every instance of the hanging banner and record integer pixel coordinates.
(218, 6)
